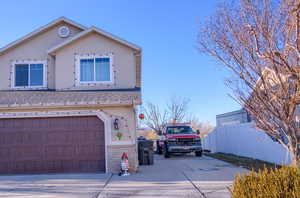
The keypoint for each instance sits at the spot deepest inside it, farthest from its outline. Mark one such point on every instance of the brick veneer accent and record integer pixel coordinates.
(114, 154)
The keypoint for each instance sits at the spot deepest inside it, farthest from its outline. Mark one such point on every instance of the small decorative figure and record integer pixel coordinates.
(119, 135)
(124, 165)
(116, 124)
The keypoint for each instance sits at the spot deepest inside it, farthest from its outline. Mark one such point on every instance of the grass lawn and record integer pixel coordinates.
(244, 162)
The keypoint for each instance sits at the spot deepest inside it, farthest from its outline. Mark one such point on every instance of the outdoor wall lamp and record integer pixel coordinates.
(116, 124)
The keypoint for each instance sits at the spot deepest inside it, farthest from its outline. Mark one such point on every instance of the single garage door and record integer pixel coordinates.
(52, 145)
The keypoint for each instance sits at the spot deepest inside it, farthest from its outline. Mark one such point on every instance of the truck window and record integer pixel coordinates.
(180, 130)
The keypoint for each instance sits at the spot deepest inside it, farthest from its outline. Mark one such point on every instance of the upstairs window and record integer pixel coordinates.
(95, 70)
(29, 75)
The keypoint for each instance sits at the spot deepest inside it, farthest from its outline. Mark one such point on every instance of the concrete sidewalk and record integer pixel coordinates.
(179, 176)
(52, 185)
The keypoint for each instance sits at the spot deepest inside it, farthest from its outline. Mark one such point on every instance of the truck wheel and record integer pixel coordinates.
(198, 153)
(158, 148)
(166, 153)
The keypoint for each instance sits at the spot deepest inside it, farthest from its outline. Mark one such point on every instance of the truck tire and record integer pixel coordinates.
(166, 153)
(198, 153)
(158, 148)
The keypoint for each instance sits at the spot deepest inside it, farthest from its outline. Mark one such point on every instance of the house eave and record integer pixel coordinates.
(61, 107)
(54, 49)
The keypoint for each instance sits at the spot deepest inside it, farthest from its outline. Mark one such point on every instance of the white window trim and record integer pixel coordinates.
(78, 82)
(13, 68)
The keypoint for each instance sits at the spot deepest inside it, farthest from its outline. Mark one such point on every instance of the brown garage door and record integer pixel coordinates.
(51, 145)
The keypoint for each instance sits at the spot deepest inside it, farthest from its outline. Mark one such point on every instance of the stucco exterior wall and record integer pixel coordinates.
(124, 64)
(33, 49)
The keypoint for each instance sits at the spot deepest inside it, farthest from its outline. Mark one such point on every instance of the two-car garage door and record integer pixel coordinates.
(51, 145)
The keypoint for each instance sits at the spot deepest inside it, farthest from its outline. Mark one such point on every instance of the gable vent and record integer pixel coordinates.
(63, 31)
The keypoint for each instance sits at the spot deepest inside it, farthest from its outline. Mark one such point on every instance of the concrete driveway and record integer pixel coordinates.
(180, 176)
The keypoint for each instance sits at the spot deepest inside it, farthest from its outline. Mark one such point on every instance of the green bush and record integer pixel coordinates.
(277, 183)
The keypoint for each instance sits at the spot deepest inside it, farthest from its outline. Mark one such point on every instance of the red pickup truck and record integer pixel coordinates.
(179, 138)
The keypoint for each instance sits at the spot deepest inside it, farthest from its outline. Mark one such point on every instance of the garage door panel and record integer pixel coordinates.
(87, 136)
(7, 125)
(17, 167)
(4, 167)
(89, 150)
(87, 165)
(4, 153)
(24, 153)
(31, 166)
(49, 145)
(56, 137)
(60, 152)
(29, 138)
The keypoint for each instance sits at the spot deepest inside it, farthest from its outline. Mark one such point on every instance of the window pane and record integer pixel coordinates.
(21, 75)
(36, 75)
(102, 69)
(87, 70)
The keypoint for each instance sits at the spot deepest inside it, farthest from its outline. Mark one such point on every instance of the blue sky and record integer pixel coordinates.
(166, 30)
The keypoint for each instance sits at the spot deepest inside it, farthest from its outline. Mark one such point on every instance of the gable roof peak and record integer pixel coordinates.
(41, 29)
(67, 20)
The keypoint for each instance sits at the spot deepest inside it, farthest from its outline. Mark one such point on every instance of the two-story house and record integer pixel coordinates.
(67, 100)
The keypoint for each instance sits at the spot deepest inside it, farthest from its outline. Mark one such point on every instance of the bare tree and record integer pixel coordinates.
(203, 127)
(259, 41)
(178, 109)
(155, 118)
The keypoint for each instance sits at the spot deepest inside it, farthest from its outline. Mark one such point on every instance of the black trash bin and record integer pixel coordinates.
(145, 151)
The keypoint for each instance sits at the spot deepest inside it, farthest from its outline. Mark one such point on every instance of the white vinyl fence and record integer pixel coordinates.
(245, 140)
